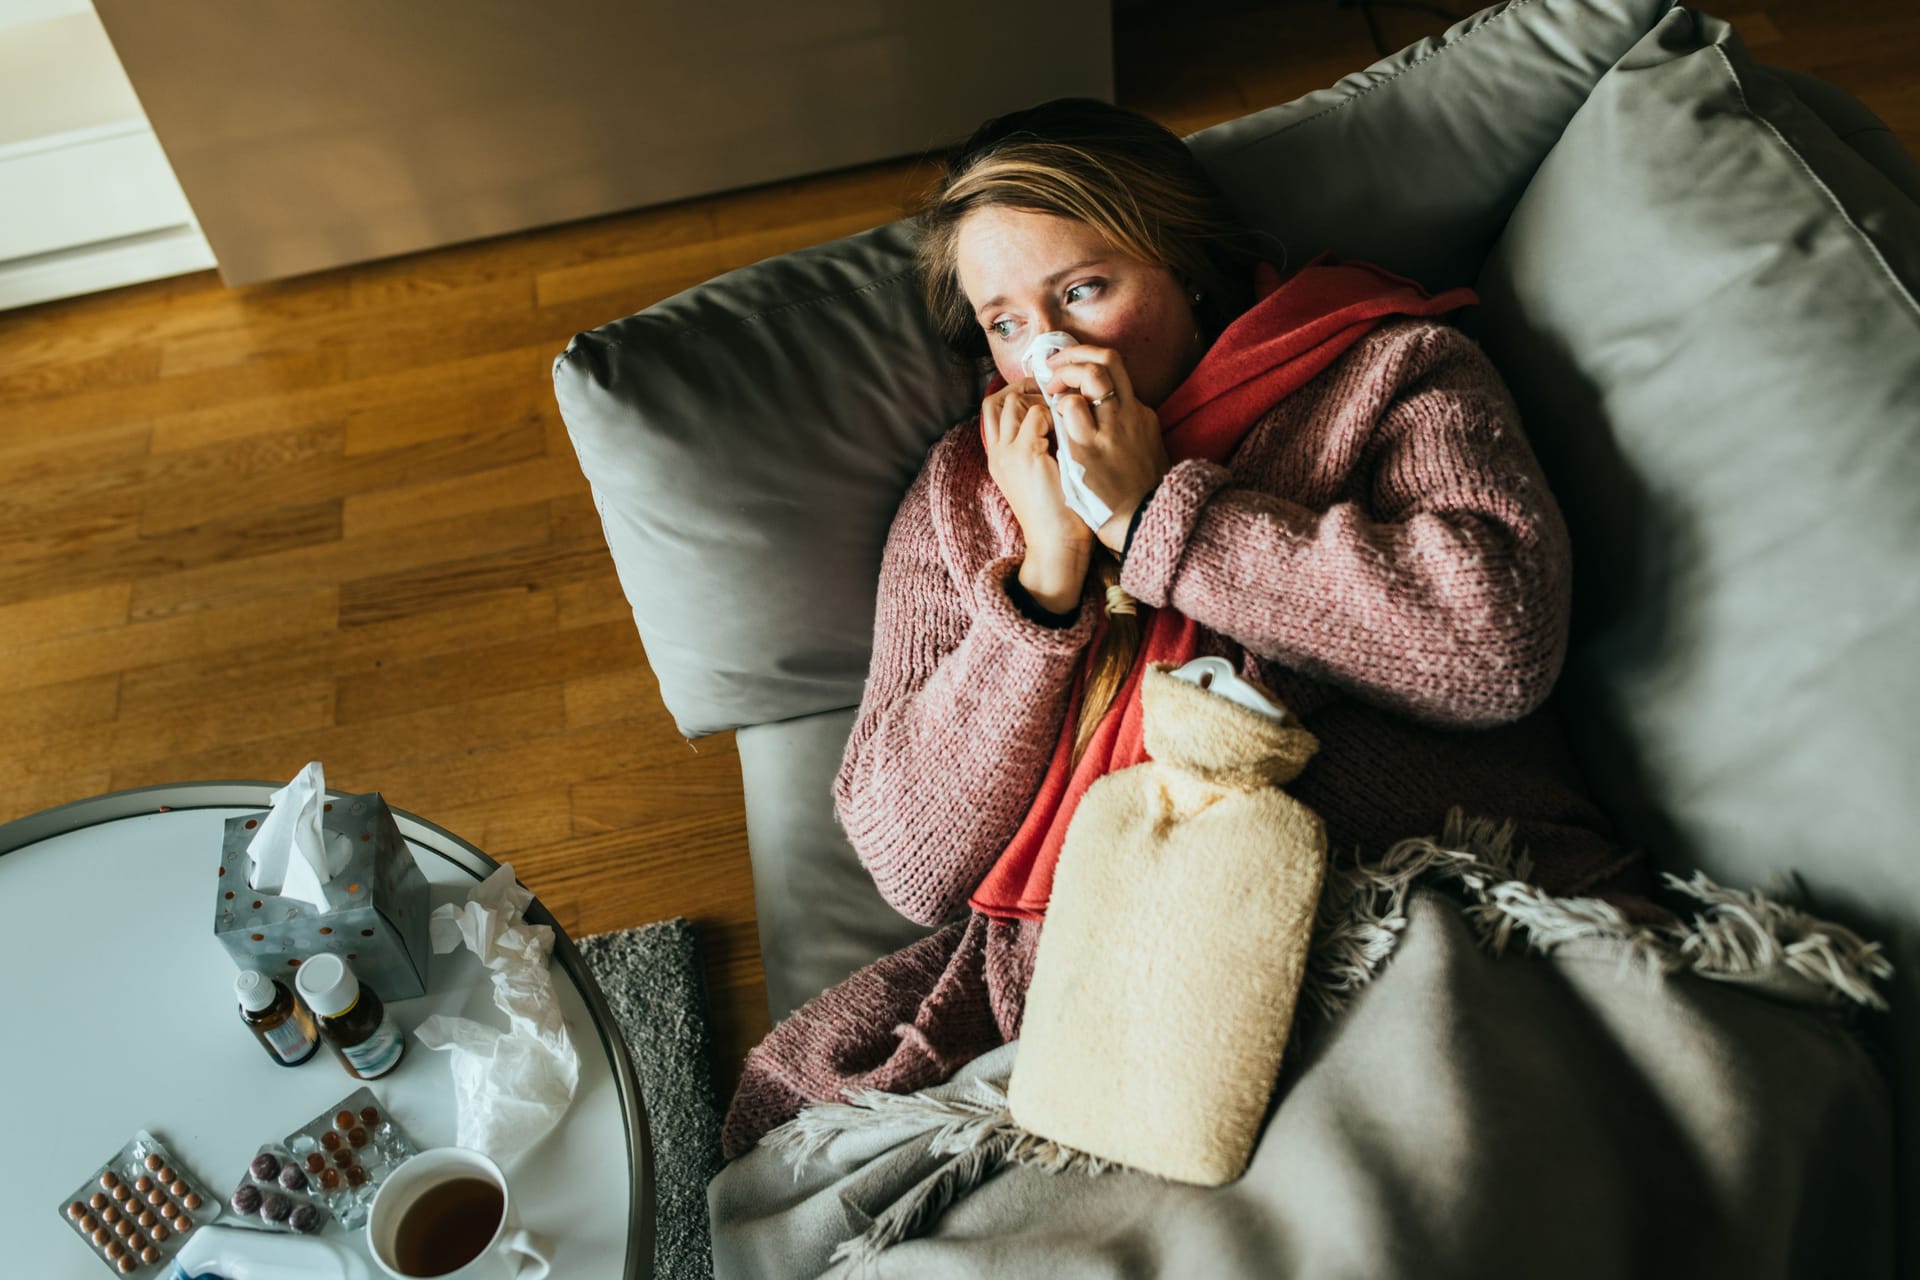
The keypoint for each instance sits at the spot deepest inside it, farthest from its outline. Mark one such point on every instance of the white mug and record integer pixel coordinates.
(411, 1187)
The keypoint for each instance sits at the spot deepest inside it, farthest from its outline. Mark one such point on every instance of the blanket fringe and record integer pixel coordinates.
(1739, 936)
(963, 1122)
(929, 1198)
(1742, 937)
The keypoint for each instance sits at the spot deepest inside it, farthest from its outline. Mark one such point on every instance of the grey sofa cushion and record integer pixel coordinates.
(820, 915)
(1706, 307)
(1415, 162)
(747, 441)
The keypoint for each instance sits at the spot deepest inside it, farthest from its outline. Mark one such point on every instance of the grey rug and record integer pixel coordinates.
(651, 978)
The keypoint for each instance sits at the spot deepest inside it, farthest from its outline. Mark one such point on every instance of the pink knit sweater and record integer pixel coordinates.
(1381, 552)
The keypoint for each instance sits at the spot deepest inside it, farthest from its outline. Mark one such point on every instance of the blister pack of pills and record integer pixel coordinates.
(346, 1152)
(135, 1211)
(278, 1193)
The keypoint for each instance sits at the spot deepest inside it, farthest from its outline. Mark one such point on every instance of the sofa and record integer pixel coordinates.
(1700, 277)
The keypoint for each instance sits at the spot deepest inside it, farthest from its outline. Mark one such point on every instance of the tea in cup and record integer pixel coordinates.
(448, 1214)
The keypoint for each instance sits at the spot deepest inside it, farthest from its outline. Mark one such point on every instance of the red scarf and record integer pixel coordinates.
(1296, 328)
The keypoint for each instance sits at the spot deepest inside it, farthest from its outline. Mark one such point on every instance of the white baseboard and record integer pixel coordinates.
(108, 264)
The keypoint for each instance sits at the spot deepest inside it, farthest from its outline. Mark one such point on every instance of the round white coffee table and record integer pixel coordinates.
(121, 1017)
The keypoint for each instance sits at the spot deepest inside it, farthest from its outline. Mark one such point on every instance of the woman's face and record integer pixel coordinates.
(1026, 273)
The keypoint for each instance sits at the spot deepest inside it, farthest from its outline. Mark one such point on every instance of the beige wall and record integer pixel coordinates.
(309, 135)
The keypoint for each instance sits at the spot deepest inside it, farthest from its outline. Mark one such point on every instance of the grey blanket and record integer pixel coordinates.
(1569, 1114)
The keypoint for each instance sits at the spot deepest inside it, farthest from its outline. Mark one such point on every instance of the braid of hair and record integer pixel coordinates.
(1119, 646)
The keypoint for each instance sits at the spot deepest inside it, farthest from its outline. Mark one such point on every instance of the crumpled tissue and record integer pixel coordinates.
(1081, 500)
(292, 854)
(510, 1087)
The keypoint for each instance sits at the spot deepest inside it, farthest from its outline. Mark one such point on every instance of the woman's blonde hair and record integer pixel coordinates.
(1137, 184)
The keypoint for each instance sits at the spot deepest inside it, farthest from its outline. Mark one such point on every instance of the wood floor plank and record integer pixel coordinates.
(282, 468)
(267, 619)
(595, 597)
(707, 777)
(25, 385)
(550, 658)
(504, 825)
(447, 398)
(531, 764)
(33, 715)
(96, 554)
(328, 471)
(332, 654)
(105, 403)
(40, 487)
(244, 715)
(99, 328)
(536, 478)
(610, 696)
(399, 755)
(196, 587)
(69, 613)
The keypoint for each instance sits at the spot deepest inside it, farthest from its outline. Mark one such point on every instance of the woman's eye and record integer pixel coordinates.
(1001, 328)
(1076, 293)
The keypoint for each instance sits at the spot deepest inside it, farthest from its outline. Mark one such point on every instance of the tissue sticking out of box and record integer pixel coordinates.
(292, 854)
(510, 1087)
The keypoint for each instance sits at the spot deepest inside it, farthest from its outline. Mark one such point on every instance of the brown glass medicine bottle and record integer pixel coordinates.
(280, 1023)
(352, 1018)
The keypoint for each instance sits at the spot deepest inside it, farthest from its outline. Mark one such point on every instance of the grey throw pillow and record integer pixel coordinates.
(1706, 307)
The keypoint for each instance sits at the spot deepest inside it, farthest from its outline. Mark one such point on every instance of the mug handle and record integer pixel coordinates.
(535, 1254)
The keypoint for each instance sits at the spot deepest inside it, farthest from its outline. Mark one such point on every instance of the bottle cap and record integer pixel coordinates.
(327, 985)
(255, 990)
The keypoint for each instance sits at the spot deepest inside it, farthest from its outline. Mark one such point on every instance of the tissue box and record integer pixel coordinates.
(376, 916)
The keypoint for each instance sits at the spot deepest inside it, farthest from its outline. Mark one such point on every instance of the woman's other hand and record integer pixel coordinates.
(1019, 432)
(1114, 436)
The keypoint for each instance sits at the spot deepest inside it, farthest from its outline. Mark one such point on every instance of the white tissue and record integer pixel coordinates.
(292, 854)
(1081, 500)
(1218, 676)
(509, 1087)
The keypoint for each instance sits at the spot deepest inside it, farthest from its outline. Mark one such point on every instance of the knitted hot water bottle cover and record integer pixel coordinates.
(1175, 940)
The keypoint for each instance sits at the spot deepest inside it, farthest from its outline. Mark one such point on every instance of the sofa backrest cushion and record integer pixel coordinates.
(1708, 308)
(748, 440)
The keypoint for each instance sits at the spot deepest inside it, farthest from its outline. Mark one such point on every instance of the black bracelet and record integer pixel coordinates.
(1133, 525)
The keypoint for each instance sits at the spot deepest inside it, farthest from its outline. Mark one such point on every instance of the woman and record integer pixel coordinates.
(1308, 474)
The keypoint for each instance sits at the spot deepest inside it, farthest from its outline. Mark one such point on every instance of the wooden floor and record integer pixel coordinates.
(337, 518)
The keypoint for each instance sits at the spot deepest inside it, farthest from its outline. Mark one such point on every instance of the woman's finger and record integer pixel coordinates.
(1104, 359)
(1086, 381)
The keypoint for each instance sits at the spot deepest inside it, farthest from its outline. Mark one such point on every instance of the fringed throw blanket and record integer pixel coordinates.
(1445, 1109)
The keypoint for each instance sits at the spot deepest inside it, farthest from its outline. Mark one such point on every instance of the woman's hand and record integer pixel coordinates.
(1019, 436)
(1115, 437)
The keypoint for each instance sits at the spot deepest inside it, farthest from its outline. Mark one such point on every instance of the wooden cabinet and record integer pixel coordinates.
(311, 135)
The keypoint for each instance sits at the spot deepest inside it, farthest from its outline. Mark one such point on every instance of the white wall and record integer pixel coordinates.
(87, 198)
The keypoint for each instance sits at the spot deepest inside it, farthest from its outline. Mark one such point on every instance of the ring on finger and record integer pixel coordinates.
(1103, 399)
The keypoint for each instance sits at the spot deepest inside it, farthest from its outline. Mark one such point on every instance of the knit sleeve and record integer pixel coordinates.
(1440, 589)
(963, 705)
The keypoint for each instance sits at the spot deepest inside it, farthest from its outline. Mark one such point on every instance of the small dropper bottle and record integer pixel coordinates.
(277, 1020)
